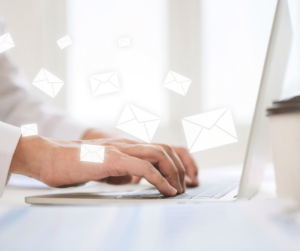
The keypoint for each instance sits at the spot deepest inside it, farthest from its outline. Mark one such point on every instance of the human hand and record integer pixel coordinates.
(57, 163)
(191, 177)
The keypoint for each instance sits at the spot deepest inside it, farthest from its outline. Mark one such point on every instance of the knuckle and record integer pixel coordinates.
(182, 149)
(167, 148)
(112, 151)
(148, 167)
(158, 149)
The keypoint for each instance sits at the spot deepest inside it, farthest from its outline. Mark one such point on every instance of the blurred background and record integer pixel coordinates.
(220, 45)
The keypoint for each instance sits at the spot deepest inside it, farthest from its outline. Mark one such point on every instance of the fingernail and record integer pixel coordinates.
(188, 180)
(173, 190)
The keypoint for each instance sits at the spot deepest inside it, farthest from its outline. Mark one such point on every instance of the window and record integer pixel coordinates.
(95, 27)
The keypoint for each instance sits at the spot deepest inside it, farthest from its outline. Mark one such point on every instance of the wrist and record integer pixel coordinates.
(29, 156)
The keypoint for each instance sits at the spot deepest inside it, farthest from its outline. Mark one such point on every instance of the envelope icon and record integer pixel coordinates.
(138, 123)
(177, 83)
(105, 83)
(48, 83)
(64, 42)
(123, 42)
(29, 130)
(92, 153)
(209, 130)
(6, 42)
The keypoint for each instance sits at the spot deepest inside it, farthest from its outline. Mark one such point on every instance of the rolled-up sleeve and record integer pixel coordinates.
(9, 138)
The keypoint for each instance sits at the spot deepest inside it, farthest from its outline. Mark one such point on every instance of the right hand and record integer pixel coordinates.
(57, 163)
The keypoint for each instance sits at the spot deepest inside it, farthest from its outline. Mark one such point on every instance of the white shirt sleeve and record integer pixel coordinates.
(9, 138)
(19, 106)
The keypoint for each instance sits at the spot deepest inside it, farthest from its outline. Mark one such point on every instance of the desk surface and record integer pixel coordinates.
(207, 226)
(251, 225)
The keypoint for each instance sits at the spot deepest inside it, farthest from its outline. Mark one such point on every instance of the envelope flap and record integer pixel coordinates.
(50, 77)
(124, 40)
(94, 84)
(186, 85)
(207, 119)
(66, 39)
(104, 77)
(126, 116)
(178, 77)
(191, 132)
(92, 148)
(2, 37)
(169, 78)
(141, 115)
(29, 126)
(40, 76)
(226, 123)
(6, 39)
(151, 127)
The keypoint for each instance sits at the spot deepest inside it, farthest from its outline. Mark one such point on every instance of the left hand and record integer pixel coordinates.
(180, 157)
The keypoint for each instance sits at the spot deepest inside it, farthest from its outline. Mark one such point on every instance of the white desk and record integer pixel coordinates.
(252, 225)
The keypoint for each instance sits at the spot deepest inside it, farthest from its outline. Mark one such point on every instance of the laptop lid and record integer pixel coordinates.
(257, 155)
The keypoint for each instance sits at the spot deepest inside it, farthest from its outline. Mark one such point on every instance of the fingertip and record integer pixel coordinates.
(188, 180)
(173, 191)
(196, 182)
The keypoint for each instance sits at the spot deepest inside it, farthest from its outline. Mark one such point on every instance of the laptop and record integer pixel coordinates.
(257, 153)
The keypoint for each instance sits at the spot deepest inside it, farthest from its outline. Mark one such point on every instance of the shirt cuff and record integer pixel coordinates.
(9, 138)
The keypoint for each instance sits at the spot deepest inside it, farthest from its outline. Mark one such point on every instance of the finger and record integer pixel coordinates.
(189, 164)
(135, 180)
(141, 168)
(158, 157)
(188, 181)
(181, 170)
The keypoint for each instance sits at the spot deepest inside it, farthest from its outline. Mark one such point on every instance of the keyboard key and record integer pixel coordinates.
(182, 197)
(197, 190)
(225, 191)
(213, 191)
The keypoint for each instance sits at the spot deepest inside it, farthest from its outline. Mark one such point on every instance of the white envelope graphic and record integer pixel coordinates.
(48, 83)
(64, 42)
(138, 123)
(210, 129)
(92, 153)
(105, 83)
(6, 42)
(123, 42)
(29, 130)
(177, 83)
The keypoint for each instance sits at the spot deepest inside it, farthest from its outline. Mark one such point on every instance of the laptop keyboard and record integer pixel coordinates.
(203, 192)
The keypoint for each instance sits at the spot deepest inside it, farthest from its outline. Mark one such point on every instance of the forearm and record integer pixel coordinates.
(26, 159)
